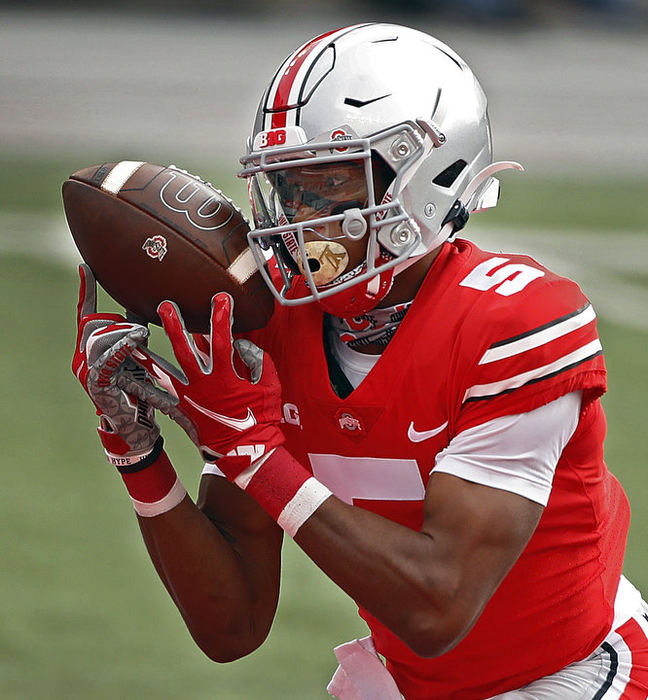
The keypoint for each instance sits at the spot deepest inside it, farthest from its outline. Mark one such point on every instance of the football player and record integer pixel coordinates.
(423, 418)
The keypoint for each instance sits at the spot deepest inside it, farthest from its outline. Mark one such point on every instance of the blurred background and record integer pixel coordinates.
(83, 614)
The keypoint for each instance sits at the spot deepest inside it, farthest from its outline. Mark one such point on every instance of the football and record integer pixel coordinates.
(152, 233)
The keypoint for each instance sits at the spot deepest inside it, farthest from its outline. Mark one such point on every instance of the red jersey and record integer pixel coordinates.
(487, 335)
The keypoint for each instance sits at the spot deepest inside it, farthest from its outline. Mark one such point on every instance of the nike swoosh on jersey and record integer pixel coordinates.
(239, 424)
(420, 435)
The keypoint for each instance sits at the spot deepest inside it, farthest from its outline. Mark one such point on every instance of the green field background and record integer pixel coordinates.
(83, 614)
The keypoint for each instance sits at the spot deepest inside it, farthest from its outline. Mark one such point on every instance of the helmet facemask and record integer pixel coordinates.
(324, 204)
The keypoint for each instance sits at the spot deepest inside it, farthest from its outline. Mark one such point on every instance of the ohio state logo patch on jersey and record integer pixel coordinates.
(349, 422)
(155, 247)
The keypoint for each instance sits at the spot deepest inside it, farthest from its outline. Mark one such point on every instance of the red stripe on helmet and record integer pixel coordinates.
(295, 62)
(279, 120)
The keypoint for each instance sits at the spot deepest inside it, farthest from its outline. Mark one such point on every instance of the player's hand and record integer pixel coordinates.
(227, 399)
(104, 345)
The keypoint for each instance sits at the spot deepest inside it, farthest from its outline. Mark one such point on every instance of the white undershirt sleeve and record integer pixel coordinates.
(517, 453)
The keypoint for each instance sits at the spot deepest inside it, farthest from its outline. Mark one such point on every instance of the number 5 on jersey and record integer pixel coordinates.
(507, 280)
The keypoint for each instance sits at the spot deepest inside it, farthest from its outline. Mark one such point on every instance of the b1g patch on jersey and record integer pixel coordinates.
(291, 415)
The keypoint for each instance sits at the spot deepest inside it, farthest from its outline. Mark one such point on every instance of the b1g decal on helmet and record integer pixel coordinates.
(274, 137)
(284, 136)
(155, 247)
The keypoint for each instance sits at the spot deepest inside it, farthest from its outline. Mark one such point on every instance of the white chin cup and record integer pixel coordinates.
(326, 261)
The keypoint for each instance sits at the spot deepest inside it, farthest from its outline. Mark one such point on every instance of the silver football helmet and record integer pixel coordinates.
(341, 111)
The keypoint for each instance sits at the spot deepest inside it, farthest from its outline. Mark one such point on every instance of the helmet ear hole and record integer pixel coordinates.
(383, 175)
(447, 177)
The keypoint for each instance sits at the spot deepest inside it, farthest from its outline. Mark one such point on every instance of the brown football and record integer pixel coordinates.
(152, 233)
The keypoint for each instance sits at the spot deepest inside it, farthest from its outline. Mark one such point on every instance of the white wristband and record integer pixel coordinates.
(171, 500)
(310, 496)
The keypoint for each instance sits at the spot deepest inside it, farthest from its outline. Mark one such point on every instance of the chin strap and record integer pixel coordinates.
(359, 298)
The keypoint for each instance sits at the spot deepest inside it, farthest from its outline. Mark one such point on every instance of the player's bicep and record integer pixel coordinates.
(487, 493)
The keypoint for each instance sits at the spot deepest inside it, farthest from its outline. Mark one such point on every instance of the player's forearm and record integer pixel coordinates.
(224, 580)
(428, 587)
(225, 585)
(402, 577)
(396, 574)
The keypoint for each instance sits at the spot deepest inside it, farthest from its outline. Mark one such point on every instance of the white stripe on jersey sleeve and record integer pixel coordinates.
(481, 391)
(539, 337)
(517, 453)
